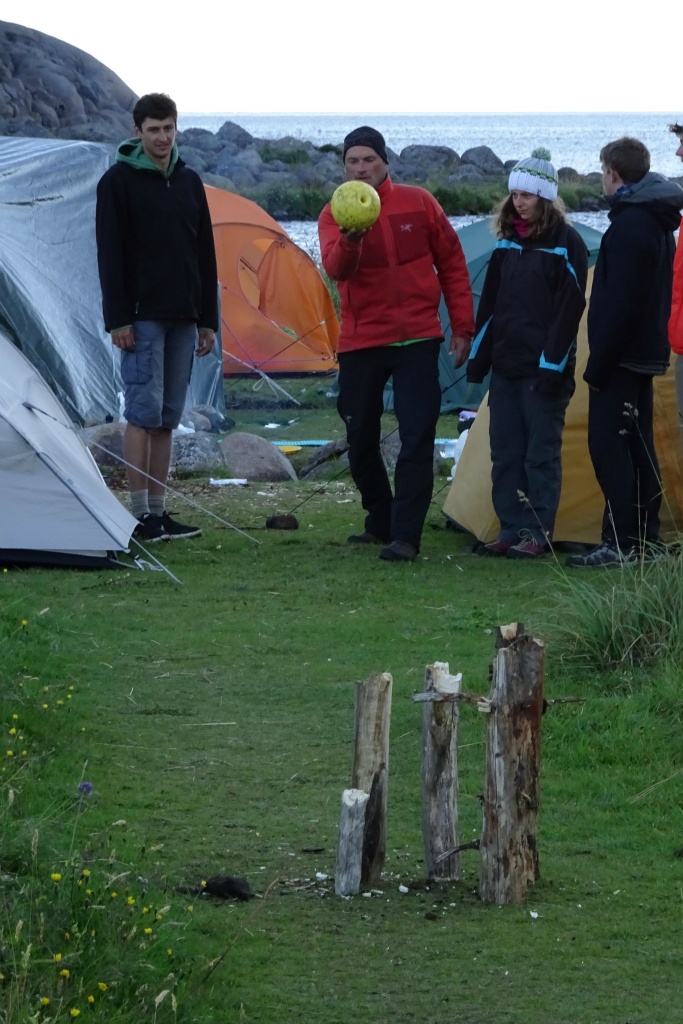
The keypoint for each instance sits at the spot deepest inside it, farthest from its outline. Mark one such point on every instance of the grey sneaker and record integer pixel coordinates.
(603, 554)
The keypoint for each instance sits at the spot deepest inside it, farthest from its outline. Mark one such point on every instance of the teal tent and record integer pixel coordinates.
(478, 241)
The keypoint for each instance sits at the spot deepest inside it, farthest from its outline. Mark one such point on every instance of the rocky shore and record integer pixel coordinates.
(53, 90)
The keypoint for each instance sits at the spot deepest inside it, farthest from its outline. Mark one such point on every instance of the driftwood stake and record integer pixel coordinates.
(440, 775)
(371, 766)
(350, 845)
(509, 855)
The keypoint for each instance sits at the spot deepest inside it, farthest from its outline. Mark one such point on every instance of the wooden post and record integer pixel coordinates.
(440, 775)
(509, 854)
(350, 845)
(371, 766)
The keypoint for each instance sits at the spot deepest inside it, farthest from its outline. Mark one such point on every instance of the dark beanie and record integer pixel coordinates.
(366, 136)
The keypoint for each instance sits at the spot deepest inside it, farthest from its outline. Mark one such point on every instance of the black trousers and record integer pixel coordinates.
(622, 450)
(526, 444)
(417, 403)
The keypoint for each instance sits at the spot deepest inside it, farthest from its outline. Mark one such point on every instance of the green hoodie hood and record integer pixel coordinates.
(131, 152)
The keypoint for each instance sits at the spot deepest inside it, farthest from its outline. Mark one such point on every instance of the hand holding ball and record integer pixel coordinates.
(355, 206)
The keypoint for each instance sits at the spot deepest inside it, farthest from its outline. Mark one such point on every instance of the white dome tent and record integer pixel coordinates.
(55, 508)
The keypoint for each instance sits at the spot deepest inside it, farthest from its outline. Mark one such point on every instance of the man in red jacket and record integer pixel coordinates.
(390, 280)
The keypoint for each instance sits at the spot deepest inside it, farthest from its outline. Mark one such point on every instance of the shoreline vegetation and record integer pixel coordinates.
(292, 179)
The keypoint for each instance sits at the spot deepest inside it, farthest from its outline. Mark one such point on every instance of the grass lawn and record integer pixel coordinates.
(214, 720)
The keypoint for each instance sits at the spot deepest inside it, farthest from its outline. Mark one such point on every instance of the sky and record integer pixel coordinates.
(293, 56)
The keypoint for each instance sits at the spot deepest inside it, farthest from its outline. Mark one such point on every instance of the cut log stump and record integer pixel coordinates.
(440, 775)
(509, 853)
(371, 767)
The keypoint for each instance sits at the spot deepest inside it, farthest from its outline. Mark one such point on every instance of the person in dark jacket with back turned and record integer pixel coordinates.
(628, 344)
(528, 317)
(157, 267)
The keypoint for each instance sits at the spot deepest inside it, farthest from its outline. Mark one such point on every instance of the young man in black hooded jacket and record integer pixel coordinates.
(628, 316)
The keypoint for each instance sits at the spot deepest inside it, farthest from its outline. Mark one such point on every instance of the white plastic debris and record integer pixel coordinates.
(321, 876)
(237, 481)
(533, 913)
(403, 888)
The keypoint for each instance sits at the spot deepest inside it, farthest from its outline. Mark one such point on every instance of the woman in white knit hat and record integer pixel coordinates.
(527, 321)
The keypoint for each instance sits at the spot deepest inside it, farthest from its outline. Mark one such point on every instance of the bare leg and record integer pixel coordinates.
(161, 443)
(148, 453)
(136, 452)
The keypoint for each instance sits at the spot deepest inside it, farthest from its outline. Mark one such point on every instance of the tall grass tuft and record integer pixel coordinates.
(626, 618)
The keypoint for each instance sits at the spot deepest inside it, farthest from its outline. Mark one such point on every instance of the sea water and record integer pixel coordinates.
(574, 140)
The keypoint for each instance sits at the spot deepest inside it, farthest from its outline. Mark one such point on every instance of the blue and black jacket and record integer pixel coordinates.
(530, 309)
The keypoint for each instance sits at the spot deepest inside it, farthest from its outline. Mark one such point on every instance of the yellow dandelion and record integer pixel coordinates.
(10, 753)
(170, 952)
(44, 1001)
(24, 622)
(61, 702)
(72, 687)
(74, 1012)
(67, 935)
(55, 876)
(24, 753)
(15, 718)
(102, 986)
(190, 908)
(86, 872)
(145, 910)
(69, 696)
(57, 957)
(45, 706)
(65, 972)
(88, 892)
(114, 895)
(148, 931)
(130, 901)
(91, 999)
(79, 883)
(13, 732)
(203, 883)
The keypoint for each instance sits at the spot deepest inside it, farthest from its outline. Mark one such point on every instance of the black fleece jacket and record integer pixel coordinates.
(530, 309)
(630, 300)
(155, 247)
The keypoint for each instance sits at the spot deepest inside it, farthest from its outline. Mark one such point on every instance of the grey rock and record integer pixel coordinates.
(465, 173)
(569, 175)
(197, 452)
(194, 158)
(254, 458)
(430, 159)
(59, 88)
(219, 181)
(195, 421)
(231, 132)
(201, 138)
(215, 418)
(484, 159)
(509, 164)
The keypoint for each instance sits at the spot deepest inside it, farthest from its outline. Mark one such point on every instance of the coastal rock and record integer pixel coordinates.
(231, 132)
(568, 175)
(105, 443)
(60, 89)
(464, 173)
(484, 159)
(420, 163)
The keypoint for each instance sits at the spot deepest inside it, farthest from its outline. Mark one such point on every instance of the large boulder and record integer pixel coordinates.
(58, 88)
(254, 458)
(196, 453)
(231, 132)
(484, 159)
(105, 443)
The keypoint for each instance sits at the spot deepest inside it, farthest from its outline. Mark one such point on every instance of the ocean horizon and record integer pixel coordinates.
(574, 140)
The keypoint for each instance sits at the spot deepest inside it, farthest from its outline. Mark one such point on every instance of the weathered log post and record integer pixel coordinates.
(371, 766)
(509, 854)
(347, 875)
(440, 775)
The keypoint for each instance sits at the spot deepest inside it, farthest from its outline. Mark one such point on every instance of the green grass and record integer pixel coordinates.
(218, 720)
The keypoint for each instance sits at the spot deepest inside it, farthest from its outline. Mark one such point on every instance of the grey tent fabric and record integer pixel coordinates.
(50, 301)
(54, 506)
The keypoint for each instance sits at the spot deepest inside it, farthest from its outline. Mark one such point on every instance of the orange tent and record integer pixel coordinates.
(277, 314)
